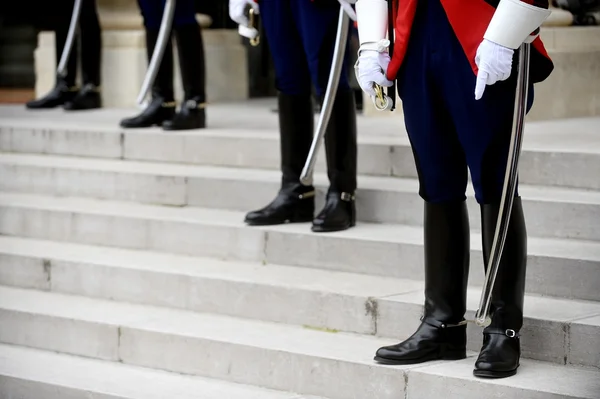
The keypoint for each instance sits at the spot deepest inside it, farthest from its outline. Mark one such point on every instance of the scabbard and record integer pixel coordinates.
(482, 317)
(73, 28)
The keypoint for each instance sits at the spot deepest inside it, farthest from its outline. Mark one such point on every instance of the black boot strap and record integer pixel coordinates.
(499, 331)
(308, 194)
(441, 324)
(193, 104)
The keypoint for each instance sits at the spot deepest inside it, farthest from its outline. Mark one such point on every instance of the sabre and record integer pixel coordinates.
(66, 53)
(482, 317)
(164, 34)
(334, 79)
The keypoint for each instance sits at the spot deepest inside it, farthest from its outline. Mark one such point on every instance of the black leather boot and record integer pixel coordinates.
(442, 333)
(339, 212)
(87, 98)
(162, 105)
(190, 46)
(501, 350)
(294, 203)
(58, 96)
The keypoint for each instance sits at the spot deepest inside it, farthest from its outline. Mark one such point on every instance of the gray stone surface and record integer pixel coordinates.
(571, 266)
(585, 345)
(33, 374)
(534, 380)
(319, 299)
(276, 356)
(550, 212)
(150, 224)
(562, 152)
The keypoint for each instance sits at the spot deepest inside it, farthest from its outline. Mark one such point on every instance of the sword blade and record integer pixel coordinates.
(66, 53)
(482, 317)
(164, 35)
(334, 79)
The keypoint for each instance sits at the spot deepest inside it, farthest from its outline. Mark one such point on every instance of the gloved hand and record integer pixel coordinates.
(370, 68)
(494, 62)
(236, 10)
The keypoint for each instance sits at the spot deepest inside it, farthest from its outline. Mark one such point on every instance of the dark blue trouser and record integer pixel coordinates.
(301, 35)
(448, 129)
(152, 11)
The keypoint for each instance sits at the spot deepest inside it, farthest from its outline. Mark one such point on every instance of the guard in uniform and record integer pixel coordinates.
(65, 92)
(301, 36)
(190, 46)
(455, 72)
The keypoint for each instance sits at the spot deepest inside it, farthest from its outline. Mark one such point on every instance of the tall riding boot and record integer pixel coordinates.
(339, 212)
(442, 333)
(64, 89)
(294, 202)
(91, 53)
(162, 106)
(190, 46)
(501, 350)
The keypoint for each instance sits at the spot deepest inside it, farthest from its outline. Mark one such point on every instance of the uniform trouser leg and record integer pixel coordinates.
(294, 202)
(162, 105)
(192, 114)
(484, 128)
(442, 170)
(91, 43)
(340, 138)
(91, 51)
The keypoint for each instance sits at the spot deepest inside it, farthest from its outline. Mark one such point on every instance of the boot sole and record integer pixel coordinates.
(493, 374)
(331, 229)
(278, 222)
(447, 356)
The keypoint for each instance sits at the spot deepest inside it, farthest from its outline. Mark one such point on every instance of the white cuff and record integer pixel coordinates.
(381, 46)
(372, 20)
(513, 22)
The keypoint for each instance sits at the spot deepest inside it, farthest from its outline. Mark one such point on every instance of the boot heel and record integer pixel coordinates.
(353, 214)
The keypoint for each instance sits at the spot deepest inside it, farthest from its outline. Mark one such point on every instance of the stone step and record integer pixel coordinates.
(557, 267)
(554, 330)
(550, 212)
(555, 153)
(27, 373)
(274, 356)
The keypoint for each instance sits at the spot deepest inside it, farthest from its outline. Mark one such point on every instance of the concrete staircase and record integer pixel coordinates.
(126, 271)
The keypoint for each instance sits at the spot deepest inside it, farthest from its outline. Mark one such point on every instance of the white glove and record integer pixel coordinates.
(348, 8)
(370, 68)
(236, 10)
(494, 62)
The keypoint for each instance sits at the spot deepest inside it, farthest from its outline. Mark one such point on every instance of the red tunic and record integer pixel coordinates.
(469, 27)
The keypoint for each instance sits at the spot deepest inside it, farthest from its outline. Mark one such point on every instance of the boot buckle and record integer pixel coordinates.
(193, 104)
(347, 197)
(307, 194)
(511, 333)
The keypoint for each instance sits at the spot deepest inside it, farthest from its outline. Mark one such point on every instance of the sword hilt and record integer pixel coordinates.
(253, 23)
(381, 101)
